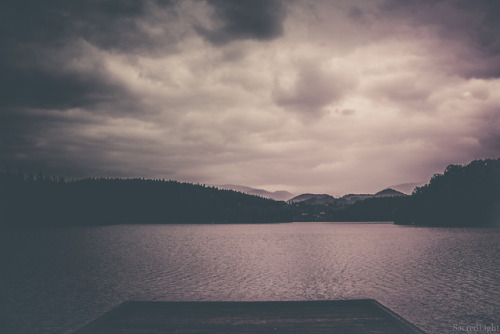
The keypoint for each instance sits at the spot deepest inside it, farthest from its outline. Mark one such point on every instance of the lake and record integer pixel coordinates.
(55, 280)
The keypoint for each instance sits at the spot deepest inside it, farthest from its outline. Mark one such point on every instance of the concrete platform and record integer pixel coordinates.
(329, 316)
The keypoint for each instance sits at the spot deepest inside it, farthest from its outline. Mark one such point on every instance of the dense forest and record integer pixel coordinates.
(30, 200)
(54, 201)
(462, 196)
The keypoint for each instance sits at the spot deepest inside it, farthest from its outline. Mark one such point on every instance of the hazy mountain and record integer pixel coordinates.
(315, 199)
(389, 192)
(321, 199)
(353, 198)
(280, 195)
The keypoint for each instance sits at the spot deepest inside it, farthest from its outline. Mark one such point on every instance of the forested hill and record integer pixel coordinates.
(27, 200)
(462, 196)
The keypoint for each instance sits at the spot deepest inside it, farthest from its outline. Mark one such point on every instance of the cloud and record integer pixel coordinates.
(472, 23)
(74, 76)
(105, 23)
(49, 41)
(314, 88)
(323, 96)
(244, 19)
(402, 90)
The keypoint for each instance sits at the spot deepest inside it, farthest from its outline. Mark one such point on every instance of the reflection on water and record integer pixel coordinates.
(56, 280)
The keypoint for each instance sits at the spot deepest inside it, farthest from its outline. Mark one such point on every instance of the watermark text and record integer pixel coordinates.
(477, 328)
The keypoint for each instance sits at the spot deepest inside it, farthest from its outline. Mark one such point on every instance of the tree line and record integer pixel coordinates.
(462, 196)
(28, 200)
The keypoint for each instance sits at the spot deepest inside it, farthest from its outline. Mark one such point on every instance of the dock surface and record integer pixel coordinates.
(328, 316)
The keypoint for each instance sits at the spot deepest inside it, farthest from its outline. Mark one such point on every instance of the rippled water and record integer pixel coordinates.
(56, 280)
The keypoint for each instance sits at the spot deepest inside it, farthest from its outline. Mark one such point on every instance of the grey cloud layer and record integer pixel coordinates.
(245, 19)
(326, 96)
(472, 23)
(313, 89)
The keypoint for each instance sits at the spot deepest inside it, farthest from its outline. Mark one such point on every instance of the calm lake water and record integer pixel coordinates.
(55, 280)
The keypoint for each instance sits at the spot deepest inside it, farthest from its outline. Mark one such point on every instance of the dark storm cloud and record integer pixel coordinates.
(50, 61)
(31, 86)
(39, 37)
(106, 23)
(245, 19)
(15, 144)
(119, 25)
(470, 23)
(259, 93)
(22, 139)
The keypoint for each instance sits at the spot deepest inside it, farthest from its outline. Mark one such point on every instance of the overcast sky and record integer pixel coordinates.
(306, 96)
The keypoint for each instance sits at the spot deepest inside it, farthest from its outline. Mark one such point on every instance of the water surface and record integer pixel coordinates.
(55, 280)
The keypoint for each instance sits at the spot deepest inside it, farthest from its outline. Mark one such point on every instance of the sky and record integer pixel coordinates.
(338, 96)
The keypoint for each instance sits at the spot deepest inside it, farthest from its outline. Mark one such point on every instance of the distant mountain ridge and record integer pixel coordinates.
(389, 192)
(464, 195)
(280, 195)
(321, 199)
(315, 199)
